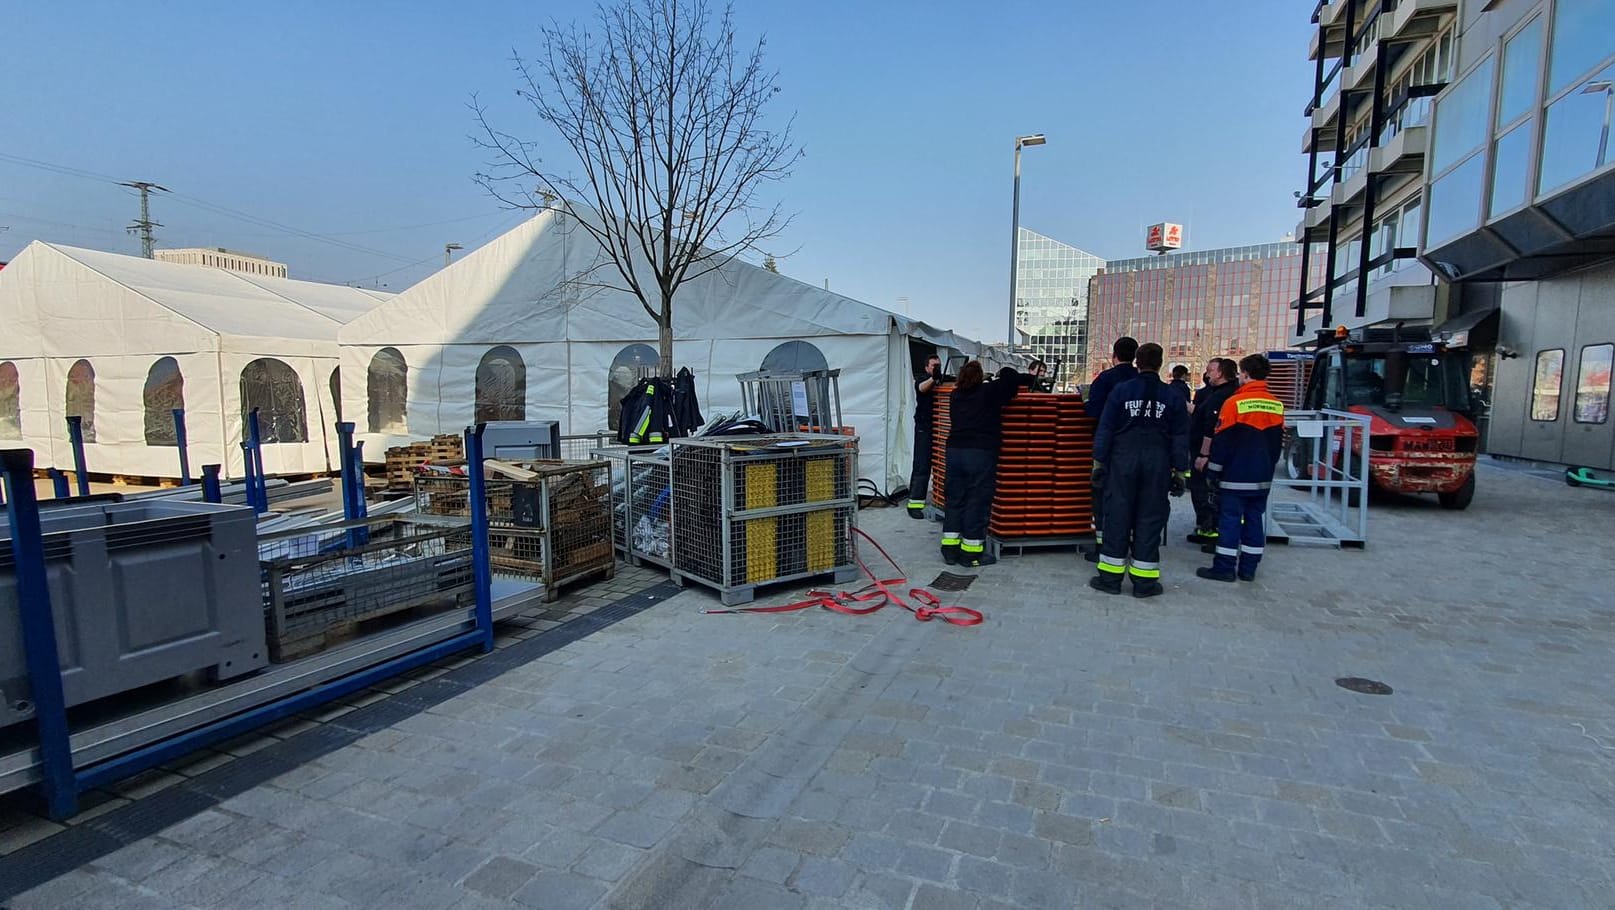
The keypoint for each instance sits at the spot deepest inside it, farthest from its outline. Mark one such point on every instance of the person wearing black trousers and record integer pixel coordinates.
(976, 410)
(919, 478)
(1143, 445)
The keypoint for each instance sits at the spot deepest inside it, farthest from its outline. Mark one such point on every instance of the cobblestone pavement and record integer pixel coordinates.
(1076, 750)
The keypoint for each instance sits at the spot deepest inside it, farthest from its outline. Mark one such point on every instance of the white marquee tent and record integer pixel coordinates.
(514, 326)
(121, 341)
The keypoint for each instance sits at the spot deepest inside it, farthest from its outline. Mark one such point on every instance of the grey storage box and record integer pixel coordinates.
(142, 592)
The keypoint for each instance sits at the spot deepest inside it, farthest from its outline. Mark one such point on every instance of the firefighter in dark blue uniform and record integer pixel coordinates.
(1093, 404)
(919, 478)
(1141, 456)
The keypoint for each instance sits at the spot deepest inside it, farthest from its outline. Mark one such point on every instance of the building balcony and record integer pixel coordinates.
(1360, 75)
(1323, 116)
(1329, 41)
(1333, 12)
(1403, 154)
(1415, 18)
(1349, 191)
(1314, 224)
(1407, 295)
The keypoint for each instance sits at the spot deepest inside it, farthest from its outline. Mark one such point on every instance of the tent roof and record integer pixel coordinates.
(530, 285)
(229, 303)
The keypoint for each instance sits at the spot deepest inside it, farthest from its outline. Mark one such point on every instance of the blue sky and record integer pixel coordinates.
(349, 120)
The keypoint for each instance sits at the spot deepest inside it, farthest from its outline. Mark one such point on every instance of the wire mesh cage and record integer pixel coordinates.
(790, 401)
(552, 526)
(750, 511)
(318, 584)
(583, 446)
(639, 525)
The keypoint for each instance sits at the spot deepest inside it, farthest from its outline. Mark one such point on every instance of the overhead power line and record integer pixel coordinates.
(204, 205)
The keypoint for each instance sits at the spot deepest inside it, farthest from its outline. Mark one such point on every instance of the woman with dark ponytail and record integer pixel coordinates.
(976, 412)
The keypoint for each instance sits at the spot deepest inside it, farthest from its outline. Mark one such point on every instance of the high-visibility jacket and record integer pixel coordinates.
(1249, 438)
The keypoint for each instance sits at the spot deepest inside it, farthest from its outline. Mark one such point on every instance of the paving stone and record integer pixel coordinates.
(500, 877)
(771, 864)
(560, 891)
(823, 877)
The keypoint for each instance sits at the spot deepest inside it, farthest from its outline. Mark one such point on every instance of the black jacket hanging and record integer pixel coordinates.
(686, 409)
(646, 413)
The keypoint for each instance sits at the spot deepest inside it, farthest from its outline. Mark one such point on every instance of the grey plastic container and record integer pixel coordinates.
(142, 592)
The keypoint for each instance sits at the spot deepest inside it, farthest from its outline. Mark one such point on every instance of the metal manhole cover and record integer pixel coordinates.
(1365, 686)
(948, 581)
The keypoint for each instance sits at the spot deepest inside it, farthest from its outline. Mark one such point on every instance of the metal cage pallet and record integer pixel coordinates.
(554, 528)
(759, 510)
(641, 497)
(318, 585)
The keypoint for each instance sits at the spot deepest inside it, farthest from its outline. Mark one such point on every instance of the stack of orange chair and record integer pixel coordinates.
(940, 424)
(1043, 467)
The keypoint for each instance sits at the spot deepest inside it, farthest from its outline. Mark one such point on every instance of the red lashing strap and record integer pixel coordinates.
(879, 593)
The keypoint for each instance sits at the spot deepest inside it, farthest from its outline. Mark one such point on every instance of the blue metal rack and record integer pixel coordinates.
(61, 780)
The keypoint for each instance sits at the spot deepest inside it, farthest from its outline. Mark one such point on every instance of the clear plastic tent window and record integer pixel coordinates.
(81, 396)
(10, 402)
(501, 386)
(274, 389)
(165, 391)
(387, 387)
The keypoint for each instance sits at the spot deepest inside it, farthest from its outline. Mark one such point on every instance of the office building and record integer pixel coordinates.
(1051, 301)
(221, 258)
(1504, 106)
(1197, 305)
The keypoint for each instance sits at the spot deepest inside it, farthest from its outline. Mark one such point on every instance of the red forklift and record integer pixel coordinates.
(1422, 436)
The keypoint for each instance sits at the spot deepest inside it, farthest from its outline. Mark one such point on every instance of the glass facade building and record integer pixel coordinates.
(1197, 305)
(1051, 300)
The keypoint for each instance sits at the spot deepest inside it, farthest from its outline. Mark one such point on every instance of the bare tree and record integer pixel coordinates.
(664, 112)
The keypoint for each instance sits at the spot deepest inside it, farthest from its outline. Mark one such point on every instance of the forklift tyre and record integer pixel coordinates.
(1461, 497)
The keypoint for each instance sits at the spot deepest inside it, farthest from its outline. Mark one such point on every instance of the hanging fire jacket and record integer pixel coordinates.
(686, 409)
(646, 413)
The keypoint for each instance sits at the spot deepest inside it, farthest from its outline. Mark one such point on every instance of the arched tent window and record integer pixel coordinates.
(10, 402)
(800, 356)
(626, 370)
(81, 396)
(336, 391)
(387, 385)
(274, 389)
(501, 386)
(795, 355)
(165, 391)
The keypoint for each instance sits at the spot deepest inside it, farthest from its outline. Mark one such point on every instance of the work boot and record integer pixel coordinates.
(979, 560)
(916, 510)
(1091, 553)
(1210, 549)
(1200, 536)
(1147, 587)
(1106, 582)
(950, 555)
(1211, 574)
(1247, 576)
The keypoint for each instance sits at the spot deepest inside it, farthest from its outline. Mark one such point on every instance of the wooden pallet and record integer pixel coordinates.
(401, 461)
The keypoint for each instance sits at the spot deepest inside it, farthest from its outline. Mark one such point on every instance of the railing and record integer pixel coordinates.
(1325, 456)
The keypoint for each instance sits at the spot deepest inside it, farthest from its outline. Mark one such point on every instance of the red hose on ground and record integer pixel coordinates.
(878, 594)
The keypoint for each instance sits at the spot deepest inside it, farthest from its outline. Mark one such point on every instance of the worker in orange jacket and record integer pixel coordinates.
(1244, 450)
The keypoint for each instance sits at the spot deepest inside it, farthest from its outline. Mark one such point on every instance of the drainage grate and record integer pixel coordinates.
(948, 581)
(1365, 686)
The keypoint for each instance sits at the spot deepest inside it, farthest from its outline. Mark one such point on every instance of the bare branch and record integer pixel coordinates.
(664, 117)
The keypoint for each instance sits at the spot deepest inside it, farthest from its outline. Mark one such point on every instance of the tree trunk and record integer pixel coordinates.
(665, 327)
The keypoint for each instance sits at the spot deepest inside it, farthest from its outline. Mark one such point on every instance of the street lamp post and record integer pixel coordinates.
(1015, 230)
(1608, 88)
